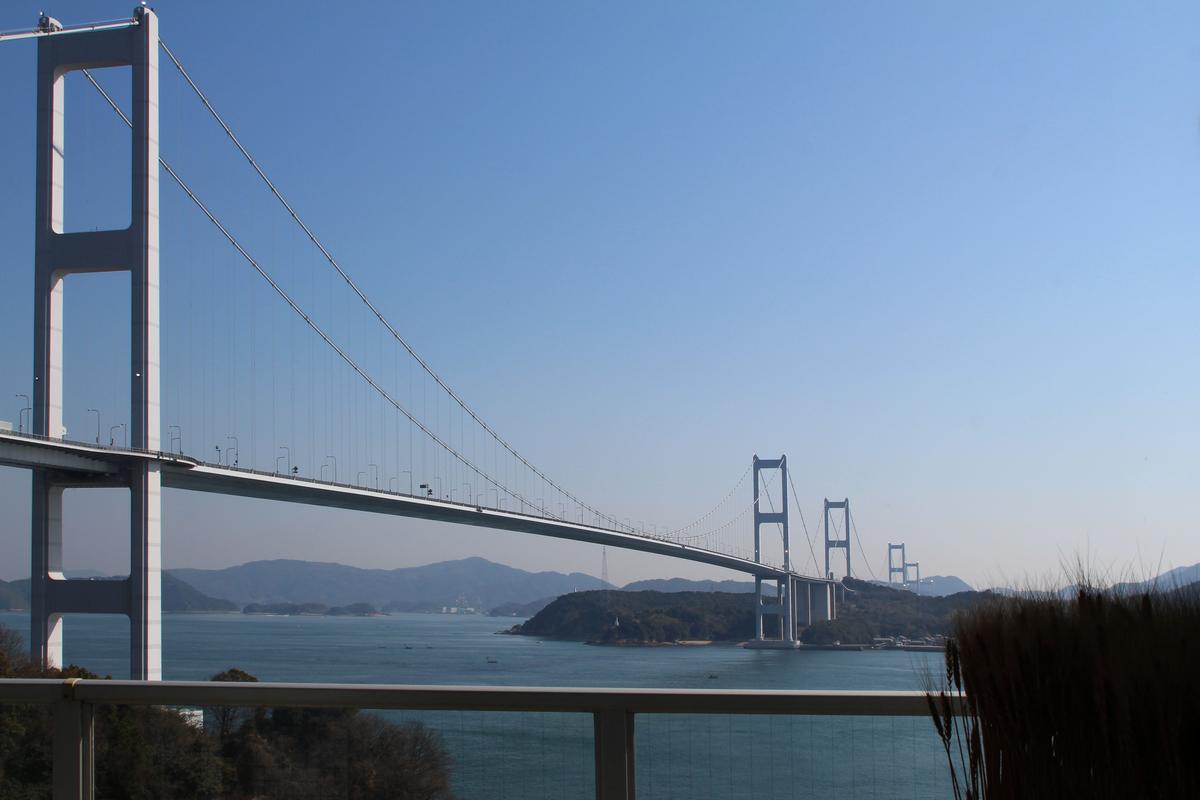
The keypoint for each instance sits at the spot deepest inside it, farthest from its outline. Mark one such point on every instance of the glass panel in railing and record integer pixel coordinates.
(698, 756)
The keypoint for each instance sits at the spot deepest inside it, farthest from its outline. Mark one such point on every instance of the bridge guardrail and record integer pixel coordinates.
(614, 711)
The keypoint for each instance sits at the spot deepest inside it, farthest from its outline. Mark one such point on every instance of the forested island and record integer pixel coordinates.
(869, 611)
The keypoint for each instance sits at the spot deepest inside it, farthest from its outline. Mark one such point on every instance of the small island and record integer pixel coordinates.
(312, 610)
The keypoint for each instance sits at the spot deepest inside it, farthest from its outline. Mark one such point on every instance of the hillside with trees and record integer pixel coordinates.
(611, 617)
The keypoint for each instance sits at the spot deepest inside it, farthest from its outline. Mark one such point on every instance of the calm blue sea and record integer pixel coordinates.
(500, 755)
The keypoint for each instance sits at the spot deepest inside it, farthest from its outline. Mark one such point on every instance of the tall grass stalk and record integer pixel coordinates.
(1095, 695)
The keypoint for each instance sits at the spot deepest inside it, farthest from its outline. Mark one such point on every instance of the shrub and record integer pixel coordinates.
(1095, 695)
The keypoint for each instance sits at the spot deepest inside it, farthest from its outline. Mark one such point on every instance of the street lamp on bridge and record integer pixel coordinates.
(96, 411)
(21, 413)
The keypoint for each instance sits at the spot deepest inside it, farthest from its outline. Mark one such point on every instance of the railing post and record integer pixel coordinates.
(68, 765)
(614, 755)
(87, 726)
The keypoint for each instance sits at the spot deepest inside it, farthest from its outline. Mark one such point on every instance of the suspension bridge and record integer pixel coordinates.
(318, 385)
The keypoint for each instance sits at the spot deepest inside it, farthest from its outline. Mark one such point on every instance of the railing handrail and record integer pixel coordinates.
(476, 698)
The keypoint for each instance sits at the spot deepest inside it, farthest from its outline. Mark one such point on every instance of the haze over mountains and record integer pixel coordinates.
(469, 582)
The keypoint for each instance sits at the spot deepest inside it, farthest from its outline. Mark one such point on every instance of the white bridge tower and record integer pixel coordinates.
(58, 254)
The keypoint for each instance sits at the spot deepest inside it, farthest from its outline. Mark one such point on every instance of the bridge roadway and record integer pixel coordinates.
(96, 465)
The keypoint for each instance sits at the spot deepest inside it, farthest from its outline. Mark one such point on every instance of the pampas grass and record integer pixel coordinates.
(1094, 695)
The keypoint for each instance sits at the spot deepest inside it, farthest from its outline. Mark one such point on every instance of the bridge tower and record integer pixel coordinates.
(56, 255)
(917, 566)
(780, 605)
(831, 544)
(900, 569)
(797, 601)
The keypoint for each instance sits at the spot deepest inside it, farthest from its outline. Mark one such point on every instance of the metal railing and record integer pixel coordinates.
(613, 710)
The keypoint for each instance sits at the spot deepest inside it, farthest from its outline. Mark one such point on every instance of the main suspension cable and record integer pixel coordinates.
(854, 528)
(796, 499)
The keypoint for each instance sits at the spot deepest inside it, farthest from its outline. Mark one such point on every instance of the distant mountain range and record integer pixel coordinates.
(1171, 579)
(1177, 578)
(473, 582)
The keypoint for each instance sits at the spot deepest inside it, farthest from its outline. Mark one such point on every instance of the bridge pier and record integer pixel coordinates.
(797, 603)
(57, 255)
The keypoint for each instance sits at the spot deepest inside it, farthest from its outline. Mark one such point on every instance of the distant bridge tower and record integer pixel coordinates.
(895, 568)
(57, 255)
(779, 606)
(917, 566)
(831, 544)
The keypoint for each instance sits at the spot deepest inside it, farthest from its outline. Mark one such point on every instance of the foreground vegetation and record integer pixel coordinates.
(150, 752)
(1090, 696)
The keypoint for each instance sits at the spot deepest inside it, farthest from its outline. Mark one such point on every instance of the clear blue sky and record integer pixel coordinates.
(943, 256)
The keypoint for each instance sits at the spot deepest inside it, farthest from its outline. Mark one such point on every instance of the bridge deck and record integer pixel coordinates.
(182, 472)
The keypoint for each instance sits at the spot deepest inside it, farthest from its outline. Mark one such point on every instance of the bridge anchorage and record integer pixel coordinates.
(794, 602)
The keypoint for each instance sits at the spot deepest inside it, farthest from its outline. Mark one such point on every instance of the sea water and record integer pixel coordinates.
(501, 755)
